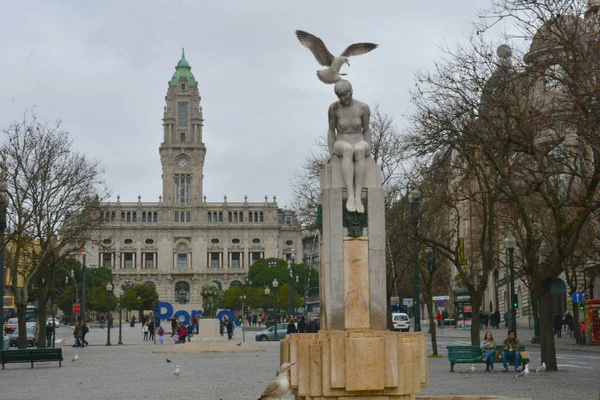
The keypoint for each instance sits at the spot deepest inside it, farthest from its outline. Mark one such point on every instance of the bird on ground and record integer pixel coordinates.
(177, 371)
(280, 386)
(541, 368)
(523, 373)
(169, 361)
(325, 58)
(239, 344)
(75, 358)
(469, 370)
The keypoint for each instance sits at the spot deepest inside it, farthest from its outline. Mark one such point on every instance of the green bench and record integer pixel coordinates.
(472, 355)
(31, 355)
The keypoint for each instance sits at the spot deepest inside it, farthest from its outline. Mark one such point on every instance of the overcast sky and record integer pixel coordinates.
(103, 69)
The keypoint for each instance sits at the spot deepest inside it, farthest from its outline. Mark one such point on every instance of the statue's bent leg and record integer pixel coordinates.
(361, 149)
(346, 151)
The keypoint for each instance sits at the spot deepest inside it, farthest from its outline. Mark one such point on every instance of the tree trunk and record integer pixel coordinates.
(547, 346)
(576, 327)
(42, 303)
(432, 325)
(21, 303)
(475, 304)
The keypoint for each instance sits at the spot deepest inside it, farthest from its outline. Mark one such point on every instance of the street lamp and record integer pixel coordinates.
(290, 264)
(272, 264)
(75, 315)
(267, 293)
(243, 299)
(510, 243)
(3, 207)
(275, 286)
(121, 292)
(414, 198)
(109, 288)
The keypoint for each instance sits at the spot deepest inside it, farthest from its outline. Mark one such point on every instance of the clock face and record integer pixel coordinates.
(182, 163)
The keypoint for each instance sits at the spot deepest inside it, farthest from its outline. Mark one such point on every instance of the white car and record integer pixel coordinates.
(49, 322)
(401, 322)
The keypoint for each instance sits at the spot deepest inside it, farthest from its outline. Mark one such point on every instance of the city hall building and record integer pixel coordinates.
(182, 241)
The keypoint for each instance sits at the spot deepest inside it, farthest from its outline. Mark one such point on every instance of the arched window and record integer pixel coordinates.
(107, 217)
(123, 217)
(134, 217)
(261, 216)
(143, 216)
(250, 216)
(241, 216)
(235, 217)
(255, 217)
(150, 283)
(128, 216)
(229, 217)
(209, 217)
(112, 216)
(155, 217)
(220, 216)
(183, 114)
(234, 284)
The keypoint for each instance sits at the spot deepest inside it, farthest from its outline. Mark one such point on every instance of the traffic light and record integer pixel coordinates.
(581, 307)
(303, 308)
(240, 319)
(515, 301)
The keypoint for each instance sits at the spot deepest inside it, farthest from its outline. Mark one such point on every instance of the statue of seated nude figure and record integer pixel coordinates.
(351, 142)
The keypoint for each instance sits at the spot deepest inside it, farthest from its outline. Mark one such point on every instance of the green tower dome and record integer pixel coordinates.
(183, 71)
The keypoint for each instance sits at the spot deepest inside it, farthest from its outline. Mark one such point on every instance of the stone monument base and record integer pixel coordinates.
(361, 364)
(208, 329)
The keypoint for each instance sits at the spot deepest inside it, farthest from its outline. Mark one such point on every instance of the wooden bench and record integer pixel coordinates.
(31, 355)
(472, 355)
(464, 355)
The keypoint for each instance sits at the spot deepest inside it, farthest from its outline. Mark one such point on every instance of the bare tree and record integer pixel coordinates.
(54, 197)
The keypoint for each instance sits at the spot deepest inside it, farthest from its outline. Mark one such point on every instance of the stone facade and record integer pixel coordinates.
(182, 241)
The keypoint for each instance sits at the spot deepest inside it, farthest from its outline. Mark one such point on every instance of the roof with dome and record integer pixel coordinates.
(183, 71)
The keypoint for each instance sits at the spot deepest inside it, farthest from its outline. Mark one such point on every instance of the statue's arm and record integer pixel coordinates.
(331, 131)
(366, 118)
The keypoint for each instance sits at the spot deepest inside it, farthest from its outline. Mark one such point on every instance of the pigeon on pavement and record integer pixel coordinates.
(523, 373)
(541, 368)
(169, 360)
(469, 370)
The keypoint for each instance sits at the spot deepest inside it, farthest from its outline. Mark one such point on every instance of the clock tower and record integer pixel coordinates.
(182, 151)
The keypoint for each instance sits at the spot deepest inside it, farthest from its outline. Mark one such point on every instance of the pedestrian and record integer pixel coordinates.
(506, 318)
(173, 327)
(557, 322)
(84, 331)
(77, 333)
(110, 321)
(510, 350)
(49, 333)
(311, 327)
(194, 323)
(182, 333)
(488, 351)
(161, 334)
(291, 328)
(438, 318)
(229, 329)
(486, 319)
(254, 319)
(102, 321)
(481, 316)
(151, 329)
(302, 325)
(145, 330)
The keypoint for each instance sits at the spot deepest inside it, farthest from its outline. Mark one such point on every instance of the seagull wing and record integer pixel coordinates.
(541, 368)
(522, 374)
(316, 46)
(271, 389)
(357, 49)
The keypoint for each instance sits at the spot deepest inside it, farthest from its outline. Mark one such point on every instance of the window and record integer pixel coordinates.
(255, 256)
(128, 216)
(107, 217)
(188, 216)
(183, 188)
(229, 216)
(236, 241)
(128, 241)
(155, 217)
(176, 216)
(289, 243)
(182, 137)
(236, 260)
(134, 217)
(107, 241)
(183, 86)
(215, 241)
(112, 216)
(209, 217)
(250, 216)
(128, 260)
(107, 260)
(260, 216)
(241, 217)
(183, 114)
(256, 241)
(554, 76)
(149, 242)
(182, 260)
(220, 216)
(214, 260)
(148, 260)
(122, 217)
(144, 216)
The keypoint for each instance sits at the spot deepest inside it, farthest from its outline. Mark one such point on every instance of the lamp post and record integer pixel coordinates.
(120, 315)
(267, 293)
(3, 207)
(109, 288)
(414, 198)
(510, 243)
(83, 284)
(536, 322)
(243, 299)
(275, 285)
(76, 294)
(290, 265)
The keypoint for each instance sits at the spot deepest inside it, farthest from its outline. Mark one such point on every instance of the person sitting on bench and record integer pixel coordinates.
(510, 350)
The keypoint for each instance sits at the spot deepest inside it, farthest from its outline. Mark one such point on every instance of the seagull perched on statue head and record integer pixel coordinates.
(325, 58)
(280, 386)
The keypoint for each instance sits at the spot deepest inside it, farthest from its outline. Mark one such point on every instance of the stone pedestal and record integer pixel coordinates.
(208, 329)
(365, 364)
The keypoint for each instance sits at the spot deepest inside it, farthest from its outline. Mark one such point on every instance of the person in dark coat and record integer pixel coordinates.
(229, 329)
(311, 327)
(291, 328)
(173, 327)
(302, 325)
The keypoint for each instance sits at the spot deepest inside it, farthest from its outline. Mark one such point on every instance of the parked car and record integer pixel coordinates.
(11, 325)
(31, 337)
(401, 322)
(269, 333)
(49, 322)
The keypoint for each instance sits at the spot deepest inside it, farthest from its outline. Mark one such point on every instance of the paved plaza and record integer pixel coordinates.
(131, 371)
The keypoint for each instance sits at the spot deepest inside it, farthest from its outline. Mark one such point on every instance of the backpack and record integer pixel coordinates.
(86, 329)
